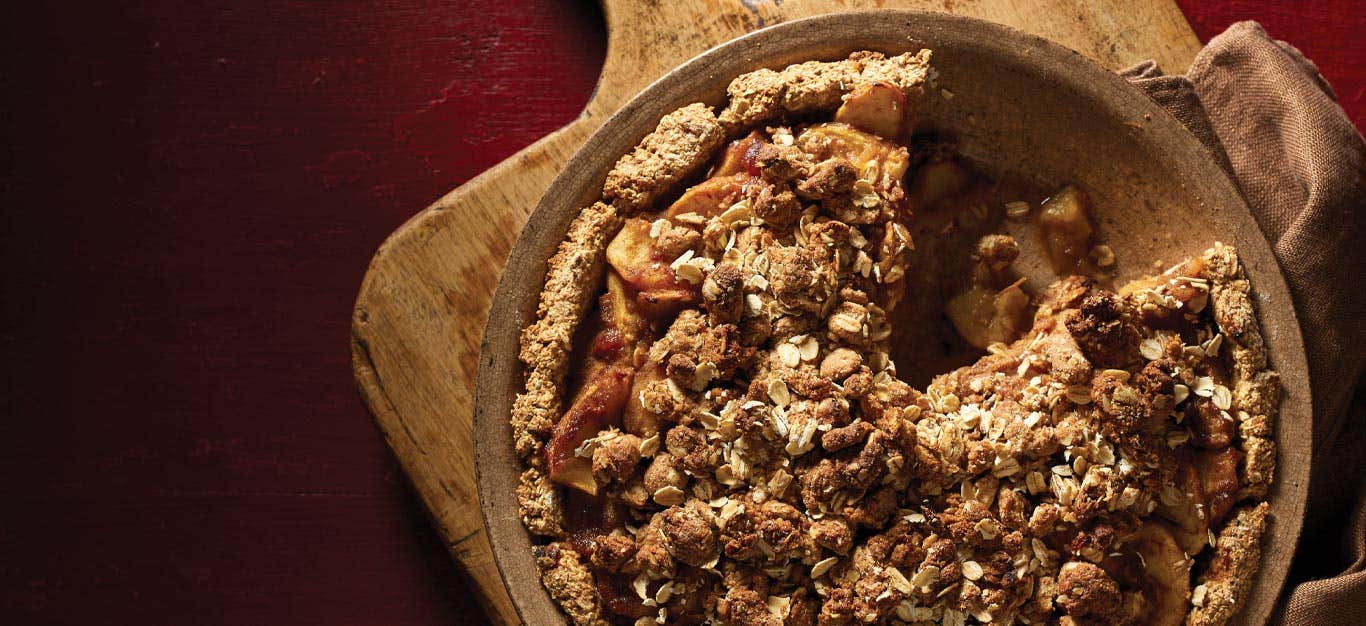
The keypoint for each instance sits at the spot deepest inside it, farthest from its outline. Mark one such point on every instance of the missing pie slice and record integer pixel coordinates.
(714, 429)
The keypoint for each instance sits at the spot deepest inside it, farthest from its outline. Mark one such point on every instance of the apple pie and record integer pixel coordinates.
(714, 429)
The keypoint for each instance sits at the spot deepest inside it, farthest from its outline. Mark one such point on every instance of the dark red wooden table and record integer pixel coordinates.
(191, 193)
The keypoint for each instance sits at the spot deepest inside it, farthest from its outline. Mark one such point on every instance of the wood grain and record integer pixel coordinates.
(421, 310)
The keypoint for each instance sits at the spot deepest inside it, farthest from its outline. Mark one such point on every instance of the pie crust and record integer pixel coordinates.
(1108, 466)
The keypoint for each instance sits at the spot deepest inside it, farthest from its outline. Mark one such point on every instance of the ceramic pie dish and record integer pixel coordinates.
(1016, 107)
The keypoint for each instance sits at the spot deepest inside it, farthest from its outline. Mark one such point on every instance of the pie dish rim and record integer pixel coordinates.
(521, 282)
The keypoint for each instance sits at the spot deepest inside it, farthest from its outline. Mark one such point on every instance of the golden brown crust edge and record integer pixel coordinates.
(764, 95)
(684, 140)
(1237, 557)
(1223, 589)
(545, 344)
(570, 584)
(1256, 389)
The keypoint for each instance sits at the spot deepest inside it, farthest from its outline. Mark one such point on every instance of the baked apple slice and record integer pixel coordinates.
(619, 311)
(1171, 279)
(1182, 505)
(664, 304)
(1066, 222)
(1149, 562)
(741, 156)
(633, 254)
(710, 197)
(878, 108)
(1205, 489)
(983, 316)
(936, 181)
(599, 404)
(659, 291)
(877, 160)
(637, 419)
(1209, 426)
(1182, 282)
(1218, 471)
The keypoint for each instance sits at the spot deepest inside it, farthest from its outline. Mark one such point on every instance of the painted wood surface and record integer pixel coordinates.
(191, 194)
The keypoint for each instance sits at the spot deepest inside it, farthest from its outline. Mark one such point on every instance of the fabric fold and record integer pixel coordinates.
(1274, 124)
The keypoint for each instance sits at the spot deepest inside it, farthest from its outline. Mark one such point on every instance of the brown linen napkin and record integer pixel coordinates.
(1272, 121)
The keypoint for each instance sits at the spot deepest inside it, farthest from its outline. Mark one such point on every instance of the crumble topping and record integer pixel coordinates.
(683, 142)
(739, 449)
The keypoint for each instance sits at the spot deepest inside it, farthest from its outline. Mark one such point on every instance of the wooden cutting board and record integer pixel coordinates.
(420, 315)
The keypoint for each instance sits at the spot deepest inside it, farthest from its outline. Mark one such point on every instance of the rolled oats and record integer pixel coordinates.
(668, 496)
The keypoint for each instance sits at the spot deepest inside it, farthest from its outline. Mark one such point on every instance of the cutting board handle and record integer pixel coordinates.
(645, 39)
